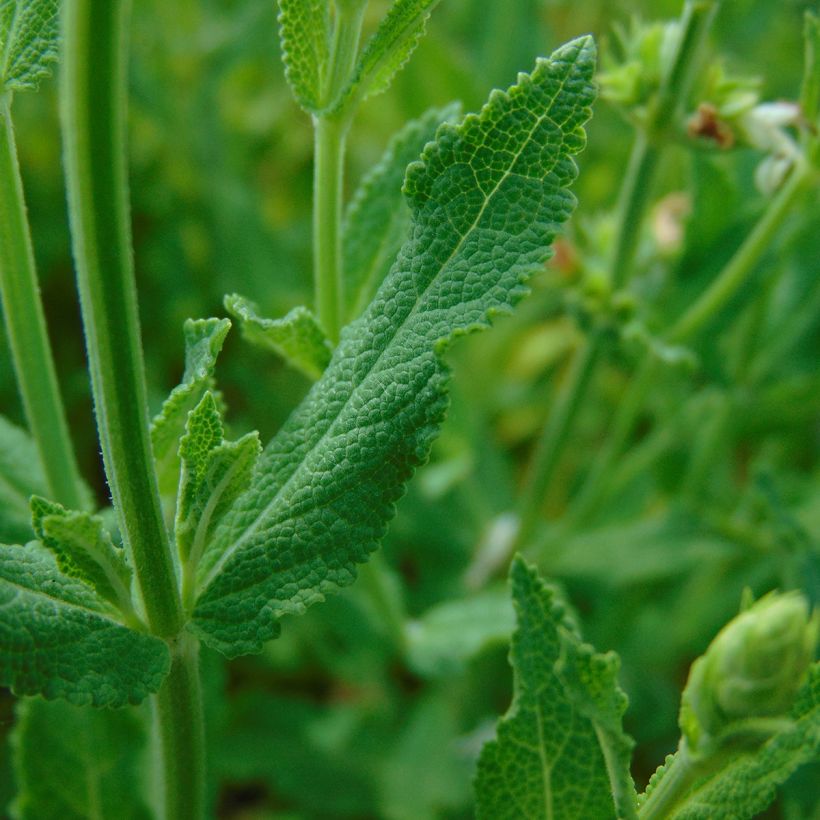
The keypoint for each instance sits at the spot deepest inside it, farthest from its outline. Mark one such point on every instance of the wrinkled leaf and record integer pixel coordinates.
(28, 41)
(304, 30)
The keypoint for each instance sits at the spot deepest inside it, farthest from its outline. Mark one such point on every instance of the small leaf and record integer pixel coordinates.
(304, 30)
(84, 550)
(387, 51)
(28, 41)
(296, 337)
(60, 640)
(377, 221)
(488, 198)
(214, 474)
(76, 763)
(21, 476)
(560, 751)
(203, 341)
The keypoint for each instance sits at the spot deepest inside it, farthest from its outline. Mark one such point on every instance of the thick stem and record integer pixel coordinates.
(178, 719)
(678, 778)
(328, 181)
(27, 334)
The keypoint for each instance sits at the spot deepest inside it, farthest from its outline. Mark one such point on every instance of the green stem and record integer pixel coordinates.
(328, 181)
(27, 334)
(93, 97)
(178, 719)
(678, 778)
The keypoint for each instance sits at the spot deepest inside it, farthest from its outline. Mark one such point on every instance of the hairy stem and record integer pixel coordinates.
(27, 334)
(93, 95)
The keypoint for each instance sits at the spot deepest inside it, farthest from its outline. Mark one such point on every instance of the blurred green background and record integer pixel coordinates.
(340, 717)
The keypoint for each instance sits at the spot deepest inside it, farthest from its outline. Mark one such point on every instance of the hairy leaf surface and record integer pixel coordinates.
(377, 220)
(304, 30)
(21, 476)
(748, 783)
(560, 751)
(59, 639)
(296, 337)
(487, 199)
(77, 763)
(203, 341)
(28, 41)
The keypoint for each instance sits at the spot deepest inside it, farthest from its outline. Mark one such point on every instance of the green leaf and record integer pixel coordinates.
(28, 41)
(214, 474)
(76, 763)
(203, 341)
(748, 782)
(296, 337)
(487, 198)
(378, 219)
(84, 550)
(387, 51)
(304, 31)
(560, 751)
(21, 476)
(60, 640)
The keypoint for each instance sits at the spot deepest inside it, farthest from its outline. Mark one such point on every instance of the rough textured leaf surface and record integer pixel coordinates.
(77, 763)
(296, 337)
(304, 30)
(560, 751)
(21, 476)
(487, 199)
(748, 784)
(60, 640)
(28, 41)
(378, 219)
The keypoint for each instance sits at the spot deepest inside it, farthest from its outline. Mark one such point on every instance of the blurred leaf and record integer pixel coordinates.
(21, 476)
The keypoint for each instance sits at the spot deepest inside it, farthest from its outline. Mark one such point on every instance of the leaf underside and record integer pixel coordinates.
(487, 199)
(304, 30)
(560, 751)
(28, 41)
(60, 640)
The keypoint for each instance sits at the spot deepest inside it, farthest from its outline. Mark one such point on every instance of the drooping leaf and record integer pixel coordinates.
(84, 550)
(560, 751)
(214, 474)
(748, 783)
(28, 41)
(21, 476)
(203, 341)
(61, 640)
(296, 337)
(77, 763)
(304, 30)
(388, 49)
(487, 198)
(377, 220)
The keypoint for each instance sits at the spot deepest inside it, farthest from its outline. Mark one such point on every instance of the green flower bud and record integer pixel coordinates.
(752, 669)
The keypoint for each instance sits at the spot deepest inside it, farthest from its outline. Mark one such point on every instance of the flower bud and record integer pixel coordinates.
(752, 669)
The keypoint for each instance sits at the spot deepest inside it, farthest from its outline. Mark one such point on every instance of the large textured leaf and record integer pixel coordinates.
(487, 199)
(297, 337)
(59, 639)
(747, 784)
(304, 30)
(560, 752)
(389, 48)
(77, 763)
(28, 41)
(21, 476)
(377, 221)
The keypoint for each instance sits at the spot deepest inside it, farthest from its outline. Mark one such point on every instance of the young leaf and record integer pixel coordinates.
(487, 199)
(297, 337)
(377, 221)
(21, 476)
(388, 49)
(560, 751)
(28, 41)
(76, 763)
(60, 640)
(84, 550)
(203, 341)
(214, 474)
(304, 30)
